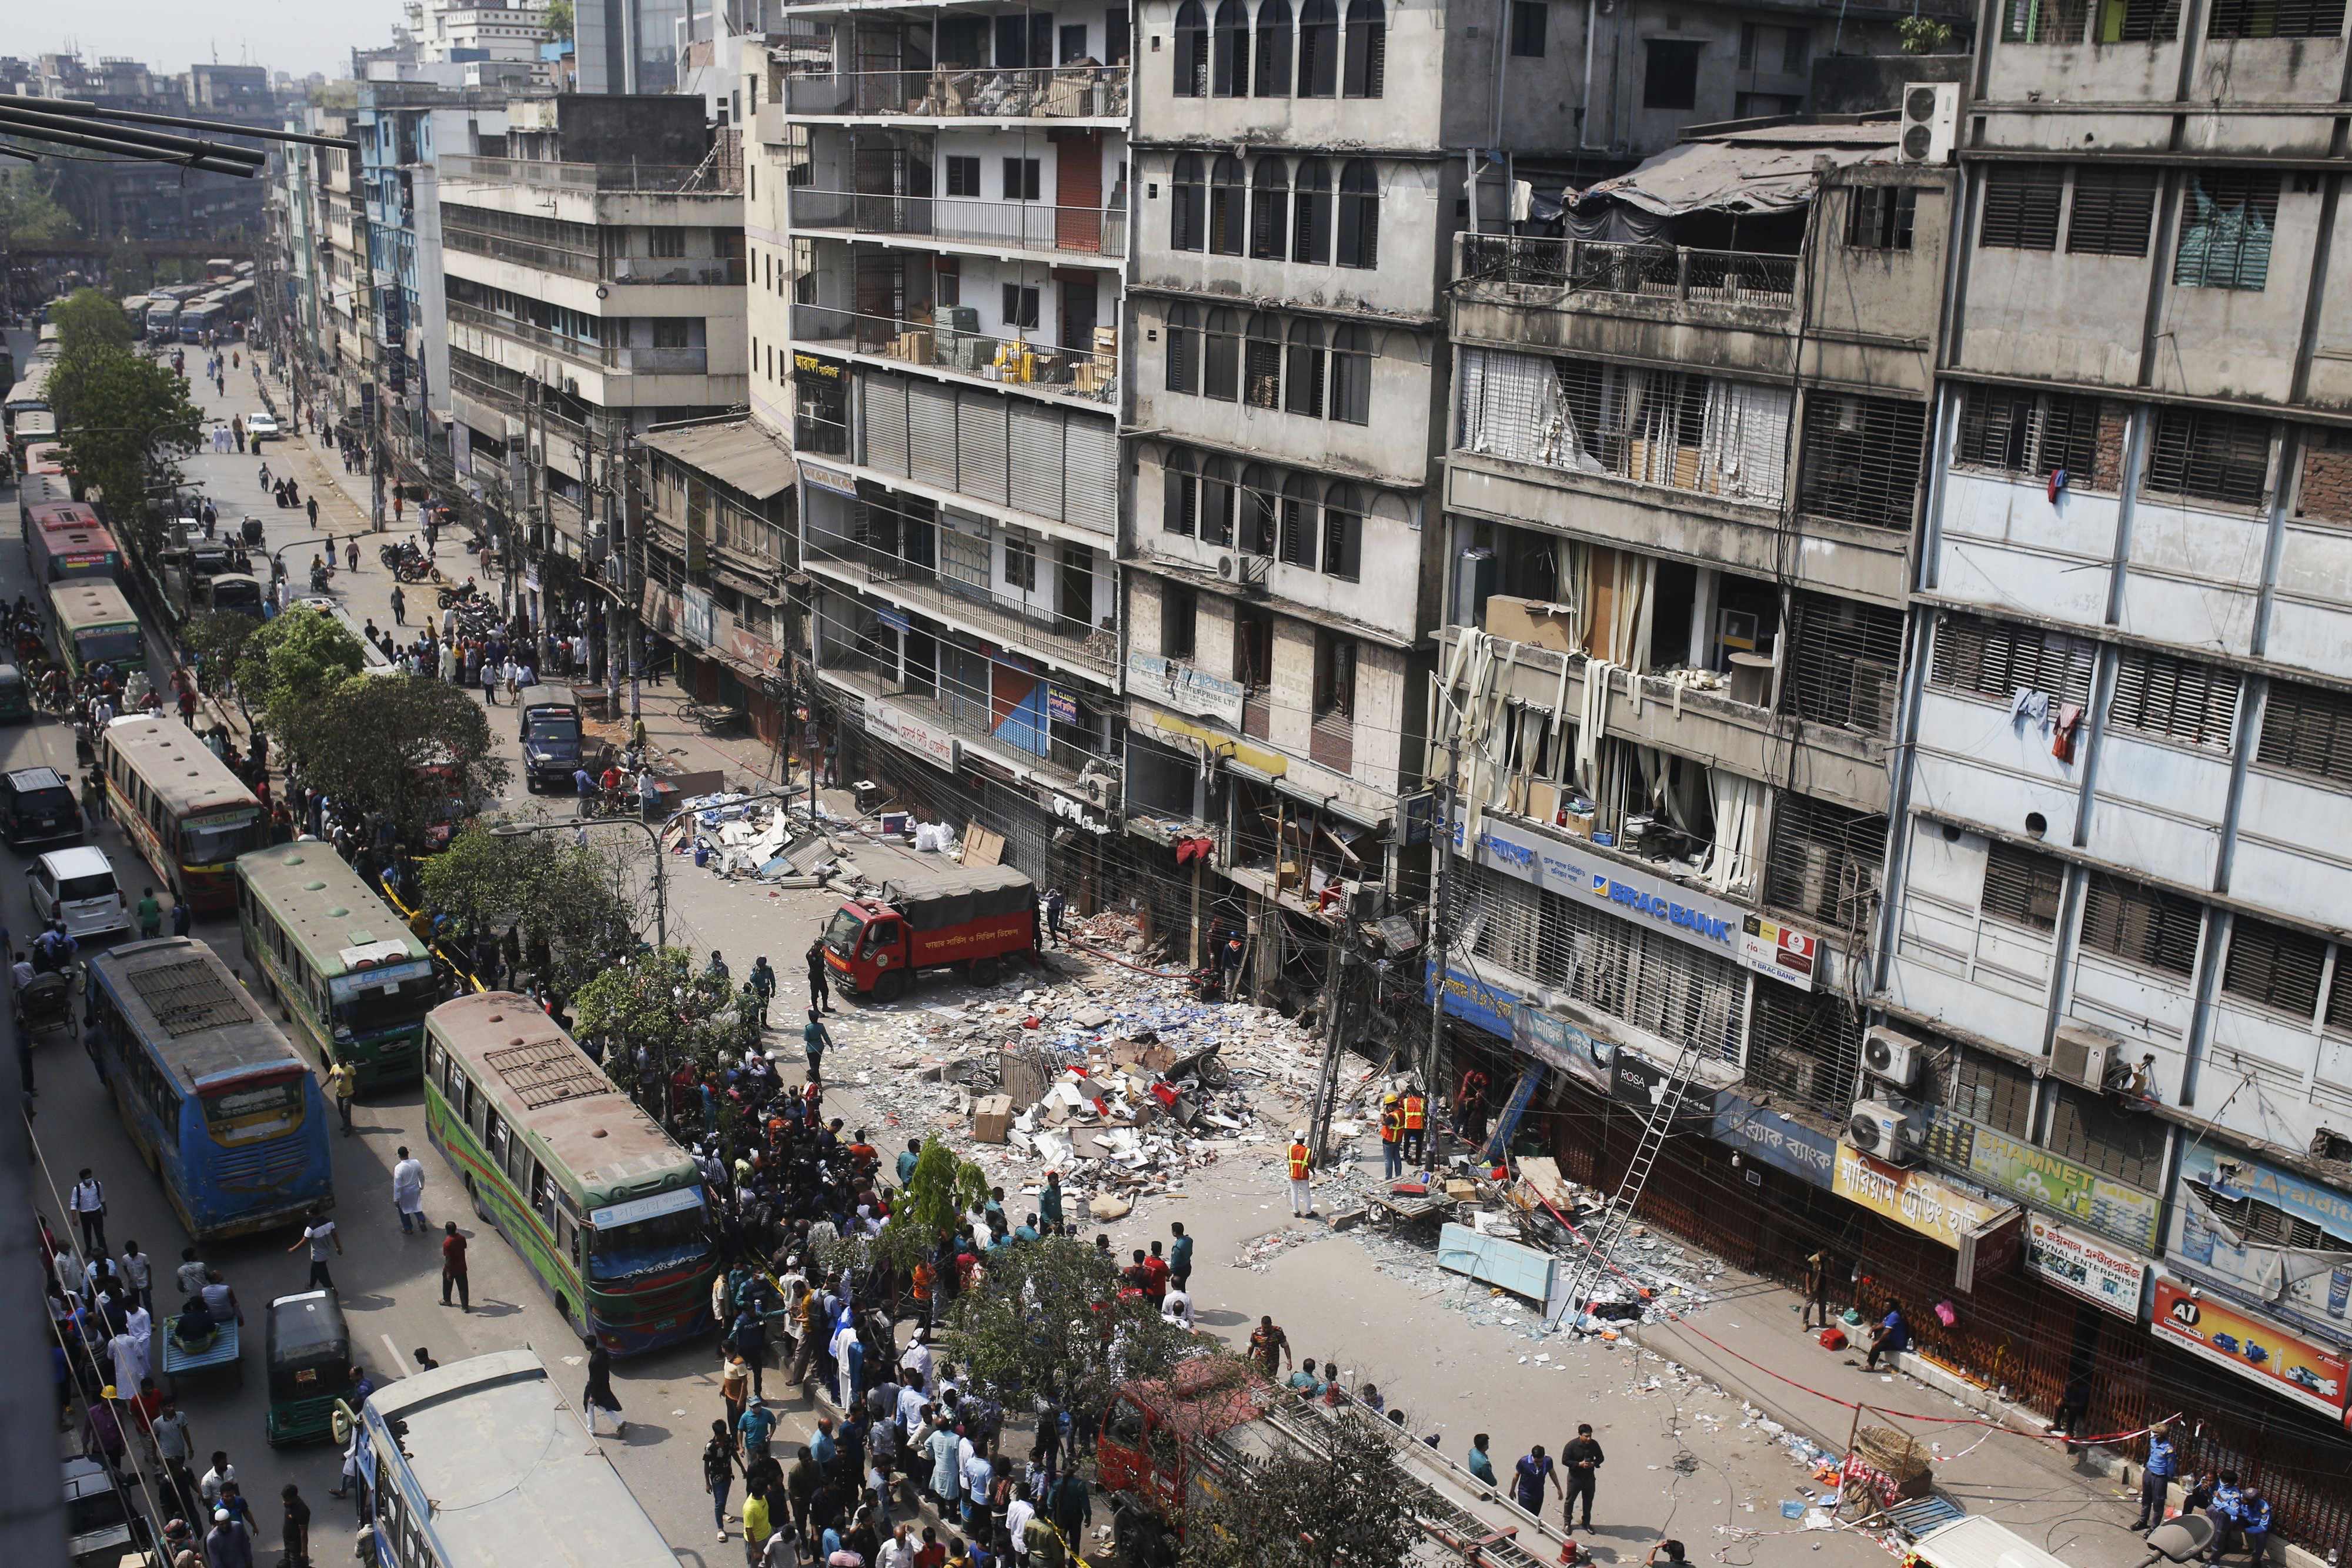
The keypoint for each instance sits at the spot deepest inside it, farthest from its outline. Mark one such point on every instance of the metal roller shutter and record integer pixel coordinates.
(980, 445)
(1036, 459)
(1092, 463)
(931, 433)
(883, 400)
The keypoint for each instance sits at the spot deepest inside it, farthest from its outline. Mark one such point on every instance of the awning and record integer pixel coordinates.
(739, 454)
(1769, 170)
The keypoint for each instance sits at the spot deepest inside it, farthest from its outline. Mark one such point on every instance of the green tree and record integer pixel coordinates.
(405, 745)
(29, 215)
(1047, 1321)
(662, 1001)
(292, 661)
(1342, 1500)
(125, 422)
(218, 639)
(560, 24)
(89, 319)
(574, 902)
(939, 1189)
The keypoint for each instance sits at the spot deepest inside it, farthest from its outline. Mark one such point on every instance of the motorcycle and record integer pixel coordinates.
(319, 576)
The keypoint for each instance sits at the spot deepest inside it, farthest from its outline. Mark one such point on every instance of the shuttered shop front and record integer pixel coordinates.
(980, 445)
(883, 400)
(1036, 458)
(1092, 485)
(931, 433)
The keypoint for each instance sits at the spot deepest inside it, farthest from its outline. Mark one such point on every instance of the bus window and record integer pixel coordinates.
(478, 1108)
(567, 1238)
(434, 1057)
(460, 1091)
(517, 1162)
(496, 1140)
(542, 1193)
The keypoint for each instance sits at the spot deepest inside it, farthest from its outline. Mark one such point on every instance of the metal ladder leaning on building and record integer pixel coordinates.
(1609, 1228)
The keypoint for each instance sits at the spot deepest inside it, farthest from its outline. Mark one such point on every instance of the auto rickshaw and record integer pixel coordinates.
(308, 1350)
(16, 697)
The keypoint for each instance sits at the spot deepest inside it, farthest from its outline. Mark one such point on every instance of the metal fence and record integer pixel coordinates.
(956, 92)
(1026, 225)
(1022, 359)
(1614, 266)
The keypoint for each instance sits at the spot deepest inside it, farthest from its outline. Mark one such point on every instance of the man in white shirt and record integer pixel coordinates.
(911, 1400)
(128, 1352)
(190, 1276)
(1017, 1515)
(898, 1551)
(1176, 1306)
(977, 1471)
(323, 1241)
(916, 1357)
(87, 1202)
(408, 1191)
(215, 1479)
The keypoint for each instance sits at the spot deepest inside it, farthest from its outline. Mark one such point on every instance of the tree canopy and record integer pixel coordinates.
(1050, 1322)
(218, 638)
(662, 1001)
(88, 319)
(559, 21)
(417, 749)
(125, 421)
(293, 660)
(29, 215)
(572, 903)
(1342, 1501)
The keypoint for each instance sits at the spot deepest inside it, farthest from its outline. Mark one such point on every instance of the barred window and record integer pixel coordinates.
(1861, 459)
(2142, 925)
(2276, 19)
(2113, 1142)
(2113, 211)
(2274, 967)
(1988, 1090)
(2021, 206)
(1995, 658)
(2021, 886)
(1880, 217)
(2211, 457)
(2309, 730)
(1805, 1045)
(2030, 434)
(1825, 859)
(1843, 663)
(2098, 21)
(2228, 219)
(2177, 698)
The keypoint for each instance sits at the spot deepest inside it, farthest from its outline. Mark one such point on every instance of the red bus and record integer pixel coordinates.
(189, 815)
(68, 540)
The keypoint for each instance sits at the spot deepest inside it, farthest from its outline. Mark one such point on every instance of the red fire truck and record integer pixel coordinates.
(930, 913)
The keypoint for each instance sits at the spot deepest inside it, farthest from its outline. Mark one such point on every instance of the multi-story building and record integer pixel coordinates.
(628, 46)
(475, 30)
(938, 243)
(346, 346)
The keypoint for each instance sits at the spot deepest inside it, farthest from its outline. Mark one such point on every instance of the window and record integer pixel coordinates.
(1021, 179)
(2308, 729)
(965, 557)
(2029, 434)
(1359, 216)
(2021, 206)
(1183, 348)
(666, 242)
(1304, 393)
(2096, 21)
(1272, 73)
(673, 331)
(1020, 308)
(2141, 924)
(1994, 658)
(1861, 459)
(2021, 886)
(1318, 49)
(2227, 220)
(1343, 533)
(1191, 59)
(1188, 204)
(963, 176)
(1840, 659)
(1259, 507)
(1229, 51)
(1116, 31)
(1221, 357)
(1824, 860)
(1670, 74)
(2211, 457)
(1180, 509)
(1531, 20)
(2177, 698)
(2276, 19)
(1072, 44)
(1269, 209)
(2113, 210)
(1795, 44)
(1335, 673)
(1021, 563)
(1310, 213)
(1179, 616)
(1217, 502)
(1298, 522)
(2114, 1142)
(1351, 374)
(1368, 49)
(2274, 967)
(1225, 205)
(1262, 362)
(1879, 218)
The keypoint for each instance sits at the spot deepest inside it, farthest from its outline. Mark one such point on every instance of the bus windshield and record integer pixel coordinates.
(841, 933)
(112, 643)
(218, 838)
(248, 1112)
(241, 595)
(650, 1245)
(385, 996)
(554, 727)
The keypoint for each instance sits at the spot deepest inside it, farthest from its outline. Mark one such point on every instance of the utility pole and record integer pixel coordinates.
(1327, 1082)
(635, 507)
(1441, 842)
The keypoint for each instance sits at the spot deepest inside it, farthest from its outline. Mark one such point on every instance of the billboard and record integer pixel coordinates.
(2254, 1347)
(2227, 1202)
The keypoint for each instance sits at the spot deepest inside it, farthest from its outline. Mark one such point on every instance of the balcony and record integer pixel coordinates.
(1747, 278)
(1062, 761)
(1050, 635)
(706, 179)
(995, 226)
(955, 92)
(685, 360)
(627, 268)
(1080, 371)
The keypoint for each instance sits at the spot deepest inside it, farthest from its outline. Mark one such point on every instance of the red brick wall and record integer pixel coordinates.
(2107, 470)
(2326, 489)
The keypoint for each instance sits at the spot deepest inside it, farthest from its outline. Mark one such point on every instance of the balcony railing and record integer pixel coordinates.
(1616, 266)
(857, 669)
(823, 437)
(922, 584)
(958, 92)
(706, 179)
(1021, 360)
(594, 267)
(1022, 225)
(639, 360)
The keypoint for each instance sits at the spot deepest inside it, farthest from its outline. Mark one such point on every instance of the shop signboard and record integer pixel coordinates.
(1185, 688)
(1583, 1054)
(904, 730)
(694, 620)
(825, 478)
(2044, 1179)
(1060, 705)
(1915, 1199)
(2086, 1265)
(1777, 1139)
(2219, 1212)
(2254, 1347)
(1634, 1079)
(1474, 1000)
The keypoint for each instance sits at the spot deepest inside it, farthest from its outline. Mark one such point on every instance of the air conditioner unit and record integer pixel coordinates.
(1229, 567)
(1884, 1131)
(1895, 1058)
(2083, 1054)
(1931, 122)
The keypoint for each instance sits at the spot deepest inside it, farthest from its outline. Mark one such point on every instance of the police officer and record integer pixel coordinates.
(2156, 1477)
(1302, 1192)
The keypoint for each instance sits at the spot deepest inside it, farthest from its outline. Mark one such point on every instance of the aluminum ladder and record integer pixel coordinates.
(1462, 1522)
(1609, 1226)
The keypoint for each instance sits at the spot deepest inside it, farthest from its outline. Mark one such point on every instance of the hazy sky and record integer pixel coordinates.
(297, 36)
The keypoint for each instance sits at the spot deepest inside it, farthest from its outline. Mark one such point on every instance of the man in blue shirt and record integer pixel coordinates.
(757, 1426)
(2156, 1478)
(1180, 1257)
(2254, 1525)
(2222, 1508)
(1478, 1464)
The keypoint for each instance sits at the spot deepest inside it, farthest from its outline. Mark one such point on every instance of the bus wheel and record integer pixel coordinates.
(889, 985)
(986, 971)
(480, 1212)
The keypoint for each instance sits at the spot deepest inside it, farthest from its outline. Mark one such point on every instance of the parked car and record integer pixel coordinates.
(37, 807)
(79, 886)
(262, 426)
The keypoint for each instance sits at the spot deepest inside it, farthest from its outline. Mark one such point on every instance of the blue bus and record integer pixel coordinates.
(215, 1098)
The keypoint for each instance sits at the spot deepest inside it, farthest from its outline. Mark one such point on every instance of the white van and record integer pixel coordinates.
(77, 885)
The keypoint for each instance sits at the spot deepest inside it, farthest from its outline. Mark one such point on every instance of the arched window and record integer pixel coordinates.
(1318, 49)
(1262, 362)
(1274, 23)
(1259, 503)
(1180, 493)
(1269, 208)
(1299, 521)
(1351, 375)
(1191, 62)
(1368, 49)
(1229, 54)
(1343, 533)
(1188, 204)
(1226, 198)
(1305, 369)
(1359, 214)
(1183, 348)
(1217, 503)
(1310, 213)
(1221, 357)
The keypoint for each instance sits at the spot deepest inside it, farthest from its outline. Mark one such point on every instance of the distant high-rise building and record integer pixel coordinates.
(628, 46)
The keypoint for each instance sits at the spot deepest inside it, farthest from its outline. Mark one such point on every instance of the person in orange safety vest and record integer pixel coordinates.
(1302, 1195)
(1416, 1123)
(1391, 1138)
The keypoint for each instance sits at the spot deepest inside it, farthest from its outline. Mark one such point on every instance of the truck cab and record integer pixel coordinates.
(1165, 1441)
(550, 745)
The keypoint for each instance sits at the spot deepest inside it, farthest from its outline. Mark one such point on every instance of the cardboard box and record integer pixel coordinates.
(991, 1118)
(1462, 1191)
(1533, 621)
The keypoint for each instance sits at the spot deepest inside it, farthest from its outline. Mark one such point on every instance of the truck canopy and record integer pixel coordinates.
(948, 894)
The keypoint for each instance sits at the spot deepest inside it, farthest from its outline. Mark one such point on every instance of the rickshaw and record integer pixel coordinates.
(16, 696)
(44, 1005)
(251, 530)
(308, 1350)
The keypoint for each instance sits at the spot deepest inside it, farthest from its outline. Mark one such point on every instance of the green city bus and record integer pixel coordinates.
(91, 623)
(343, 967)
(601, 1204)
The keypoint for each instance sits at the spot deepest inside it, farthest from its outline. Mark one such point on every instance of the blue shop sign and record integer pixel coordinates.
(1473, 1000)
(1781, 1142)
